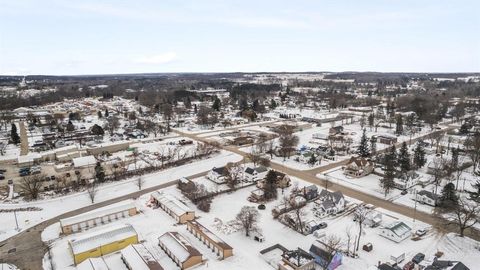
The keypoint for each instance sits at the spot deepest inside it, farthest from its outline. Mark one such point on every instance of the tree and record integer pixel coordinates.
(466, 214)
(248, 218)
(361, 214)
(404, 158)
(254, 156)
(97, 130)
(371, 120)
(387, 183)
(233, 174)
(31, 185)
(273, 104)
(363, 150)
(362, 121)
(167, 112)
(373, 145)
(399, 125)
(112, 124)
(270, 188)
(217, 104)
(288, 141)
(99, 114)
(92, 191)
(14, 135)
(99, 172)
(106, 113)
(419, 159)
(139, 182)
(472, 148)
(448, 198)
(312, 160)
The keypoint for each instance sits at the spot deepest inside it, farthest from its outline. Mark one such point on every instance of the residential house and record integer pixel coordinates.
(217, 175)
(217, 245)
(297, 259)
(358, 167)
(371, 219)
(329, 203)
(386, 139)
(283, 181)
(102, 242)
(310, 192)
(425, 197)
(323, 257)
(254, 174)
(173, 206)
(335, 130)
(179, 250)
(396, 231)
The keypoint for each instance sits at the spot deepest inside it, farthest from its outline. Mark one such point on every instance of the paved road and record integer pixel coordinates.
(29, 246)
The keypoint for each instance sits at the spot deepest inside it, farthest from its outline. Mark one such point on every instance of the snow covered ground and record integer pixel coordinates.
(54, 207)
(151, 223)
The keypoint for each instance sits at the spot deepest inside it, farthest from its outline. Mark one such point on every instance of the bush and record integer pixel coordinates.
(204, 205)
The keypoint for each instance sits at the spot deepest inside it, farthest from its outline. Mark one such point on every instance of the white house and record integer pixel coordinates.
(254, 174)
(396, 231)
(329, 203)
(425, 197)
(217, 175)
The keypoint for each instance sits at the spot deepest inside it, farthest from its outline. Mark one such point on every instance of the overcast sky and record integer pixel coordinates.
(137, 36)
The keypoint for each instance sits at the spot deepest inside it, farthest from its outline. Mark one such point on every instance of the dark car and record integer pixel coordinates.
(418, 258)
(404, 192)
(3, 170)
(25, 173)
(25, 169)
(2, 177)
(322, 225)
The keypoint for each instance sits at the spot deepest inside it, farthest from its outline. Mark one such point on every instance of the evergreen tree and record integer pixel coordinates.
(312, 160)
(273, 104)
(404, 158)
(399, 127)
(419, 155)
(448, 199)
(363, 150)
(99, 172)
(371, 120)
(106, 113)
(14, 135)
(387, 183)
(217, 104)
(70, 126)
(97, 130)
(464, 129)
(99, 113)
(270, 189)
(454, 164)
(373, 145)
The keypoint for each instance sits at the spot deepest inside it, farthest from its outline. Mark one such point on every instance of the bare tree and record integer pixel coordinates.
(466, 214)
(472, 148)
(112, 124)
(31, 185)
(139, 182)
(333, 243)
(348, 233)
(248, 218)
(233, 173)
(361, 214)
(92, 191)
(254, 156)
(288, 141)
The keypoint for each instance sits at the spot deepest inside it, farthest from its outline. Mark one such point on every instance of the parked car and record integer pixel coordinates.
(418, 258)
(421, 232)
(24, 169)
(322, 225)
(2, 177)
(10, 182)
(404, 192)
(24, 173)
(3, 170)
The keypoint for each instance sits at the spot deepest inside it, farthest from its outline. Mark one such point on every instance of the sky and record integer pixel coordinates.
(68, 37)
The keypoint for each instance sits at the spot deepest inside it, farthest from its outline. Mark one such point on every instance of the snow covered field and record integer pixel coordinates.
(246, 250)
(54, 207)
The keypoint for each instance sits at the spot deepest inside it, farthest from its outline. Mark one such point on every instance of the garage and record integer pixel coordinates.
(98, 221)
(91, 223)
(75, 228)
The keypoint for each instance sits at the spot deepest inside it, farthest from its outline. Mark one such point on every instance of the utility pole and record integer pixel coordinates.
(415, 209)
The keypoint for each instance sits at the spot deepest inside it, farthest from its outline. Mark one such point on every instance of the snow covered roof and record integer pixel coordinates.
(399, 228)
(178, 246)
(213, 237)
(93, 264)
(84, 161)
(139, 258)
(99, 238)
(172, 203)
(100, 212)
